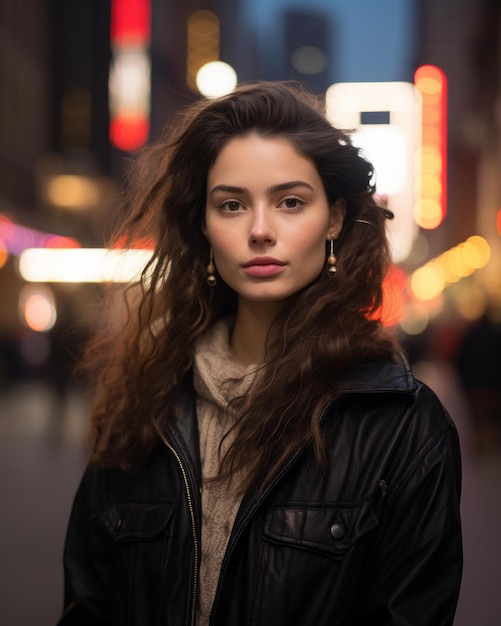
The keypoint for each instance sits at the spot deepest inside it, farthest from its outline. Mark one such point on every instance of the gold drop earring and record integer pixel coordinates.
(211, 271)
(331, 260)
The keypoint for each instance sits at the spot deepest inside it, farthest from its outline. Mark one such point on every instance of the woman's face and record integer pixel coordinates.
(267, 218)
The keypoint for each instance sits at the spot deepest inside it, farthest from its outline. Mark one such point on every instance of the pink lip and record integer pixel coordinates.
(263, 266)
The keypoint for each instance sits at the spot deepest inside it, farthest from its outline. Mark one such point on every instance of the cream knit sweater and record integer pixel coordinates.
(214, 370)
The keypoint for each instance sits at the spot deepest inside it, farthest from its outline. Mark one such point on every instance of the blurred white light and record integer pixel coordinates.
(308, 60)
(216, 79)
(84, 265)
(129, 81)
(37, 308)
(416, 319)
(384, 146)
(392, 148)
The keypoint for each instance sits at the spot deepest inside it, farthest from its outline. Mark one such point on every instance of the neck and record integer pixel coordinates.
(253, 321)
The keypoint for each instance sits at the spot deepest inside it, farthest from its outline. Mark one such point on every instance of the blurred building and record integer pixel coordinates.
(464, 39)
(25, 103)
(59, 171)
(25, 89)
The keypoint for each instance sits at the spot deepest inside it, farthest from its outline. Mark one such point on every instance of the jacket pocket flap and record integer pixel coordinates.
(327, 529)
(137, 521)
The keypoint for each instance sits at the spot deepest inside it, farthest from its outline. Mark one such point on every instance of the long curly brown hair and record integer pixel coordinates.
(145, 358)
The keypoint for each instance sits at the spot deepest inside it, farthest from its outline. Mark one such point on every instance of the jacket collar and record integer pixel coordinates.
(369, 377)
(378, 377)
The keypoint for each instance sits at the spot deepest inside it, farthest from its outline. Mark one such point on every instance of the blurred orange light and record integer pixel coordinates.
(428, 212)
(428, 281)
(431, 82)
(432, 115)
(394, 297)
(431, 161)
(138, 243)
(431, 186)
(4, 255)
(498, 222)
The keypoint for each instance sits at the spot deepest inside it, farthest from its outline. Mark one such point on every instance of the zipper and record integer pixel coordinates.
(242, 522)
(193, 528)
(251, 508)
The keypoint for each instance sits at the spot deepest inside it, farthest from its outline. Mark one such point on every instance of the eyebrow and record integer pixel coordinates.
(274, 188)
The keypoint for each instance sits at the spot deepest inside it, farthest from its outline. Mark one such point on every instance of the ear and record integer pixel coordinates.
(337, 215)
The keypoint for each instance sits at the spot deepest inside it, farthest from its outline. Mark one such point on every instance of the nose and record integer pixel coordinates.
(261, 228)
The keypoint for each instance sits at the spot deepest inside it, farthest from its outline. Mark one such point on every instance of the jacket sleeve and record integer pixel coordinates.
(414, 572)
(87, 561)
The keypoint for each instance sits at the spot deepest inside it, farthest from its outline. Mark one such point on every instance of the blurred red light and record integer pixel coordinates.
(130, 22)
(57, 241)
(140, 243)
(394, 297)
(129, 133)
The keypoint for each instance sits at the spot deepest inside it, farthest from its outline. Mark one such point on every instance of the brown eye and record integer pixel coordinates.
(231, 206)
(291, 202)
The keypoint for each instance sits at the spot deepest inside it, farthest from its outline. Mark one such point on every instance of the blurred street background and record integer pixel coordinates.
(84, 84)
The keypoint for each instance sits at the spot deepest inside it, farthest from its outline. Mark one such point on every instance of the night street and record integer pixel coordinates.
(42, 461)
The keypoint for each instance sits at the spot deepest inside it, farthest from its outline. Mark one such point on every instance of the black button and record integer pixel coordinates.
(338, 531)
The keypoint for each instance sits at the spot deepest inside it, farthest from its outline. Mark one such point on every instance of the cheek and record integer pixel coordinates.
(317, 259)
(312, 254)
(215, 234)
(313, 245)
(223, 244)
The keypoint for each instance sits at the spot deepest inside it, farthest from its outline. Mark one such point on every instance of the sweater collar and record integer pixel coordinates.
(216, 376)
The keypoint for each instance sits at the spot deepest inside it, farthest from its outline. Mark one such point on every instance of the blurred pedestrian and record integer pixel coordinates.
(478, 361)
(263, 453)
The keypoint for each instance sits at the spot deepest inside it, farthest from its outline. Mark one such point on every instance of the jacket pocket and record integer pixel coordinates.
(137, 521)
(329, 530)
(141, 542)
(312, 557)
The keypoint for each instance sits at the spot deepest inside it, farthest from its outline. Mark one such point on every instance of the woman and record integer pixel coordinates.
(263, 453)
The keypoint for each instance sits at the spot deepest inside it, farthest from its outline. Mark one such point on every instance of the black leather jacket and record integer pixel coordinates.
(374, 540)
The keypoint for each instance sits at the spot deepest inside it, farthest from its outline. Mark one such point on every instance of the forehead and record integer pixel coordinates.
(264, 157)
